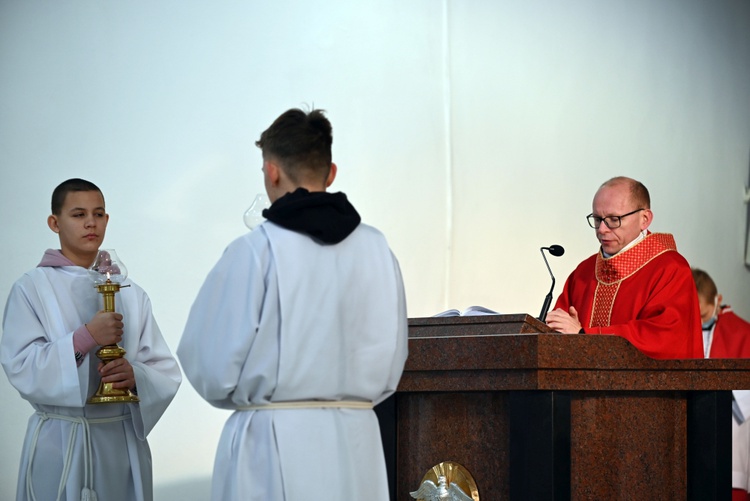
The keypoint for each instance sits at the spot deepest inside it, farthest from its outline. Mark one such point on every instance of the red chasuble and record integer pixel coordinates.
(731, 336)
(645, 294)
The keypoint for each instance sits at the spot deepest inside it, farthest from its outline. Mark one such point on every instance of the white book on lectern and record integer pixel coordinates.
(471, 311)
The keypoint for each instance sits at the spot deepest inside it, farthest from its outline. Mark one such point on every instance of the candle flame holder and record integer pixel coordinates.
(106, 267)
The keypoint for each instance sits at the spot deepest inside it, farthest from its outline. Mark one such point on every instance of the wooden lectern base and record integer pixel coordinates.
(558, 417)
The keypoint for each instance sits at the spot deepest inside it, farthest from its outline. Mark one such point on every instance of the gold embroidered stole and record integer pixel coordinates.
(611, 272)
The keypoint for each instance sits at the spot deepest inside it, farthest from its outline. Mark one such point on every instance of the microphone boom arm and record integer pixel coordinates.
(556, 250)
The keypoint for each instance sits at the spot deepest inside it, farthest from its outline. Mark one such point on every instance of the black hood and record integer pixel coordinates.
(326, 217)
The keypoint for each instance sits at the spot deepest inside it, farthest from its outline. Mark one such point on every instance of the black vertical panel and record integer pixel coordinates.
(709, 445)
(386, 412)
(539, 445)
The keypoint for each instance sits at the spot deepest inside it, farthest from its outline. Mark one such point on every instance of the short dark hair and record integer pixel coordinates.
(62, 190)
(300, 142)
(704, 284)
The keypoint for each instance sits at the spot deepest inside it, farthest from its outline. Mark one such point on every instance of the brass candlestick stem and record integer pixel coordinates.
(106, 394)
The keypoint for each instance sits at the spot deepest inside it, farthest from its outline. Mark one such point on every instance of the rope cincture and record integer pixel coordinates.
(87, 492)
(309, 404)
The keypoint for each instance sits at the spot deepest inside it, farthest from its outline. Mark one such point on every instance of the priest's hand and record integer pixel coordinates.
(106, 328)
(119, 372)
(565, 322)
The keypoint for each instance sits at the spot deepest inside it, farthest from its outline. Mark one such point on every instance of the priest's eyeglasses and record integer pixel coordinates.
(612, 222)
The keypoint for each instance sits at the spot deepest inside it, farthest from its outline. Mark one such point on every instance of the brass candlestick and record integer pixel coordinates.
(108, 266)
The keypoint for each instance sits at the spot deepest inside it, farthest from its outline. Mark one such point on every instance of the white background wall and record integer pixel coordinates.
(471, 132)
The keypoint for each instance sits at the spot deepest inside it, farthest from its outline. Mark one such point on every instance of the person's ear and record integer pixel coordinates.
(331, 175)
(721, 298)
(647, 218)
(274, 173)
(52, 223)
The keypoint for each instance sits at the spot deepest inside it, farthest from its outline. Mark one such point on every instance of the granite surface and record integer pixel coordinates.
(628, 418)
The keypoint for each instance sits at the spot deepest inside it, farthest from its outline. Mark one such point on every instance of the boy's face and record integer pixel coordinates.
(80, 225)
(708, 307)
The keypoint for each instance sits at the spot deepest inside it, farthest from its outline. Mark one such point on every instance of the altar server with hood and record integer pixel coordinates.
(300, 328)
(51, 330)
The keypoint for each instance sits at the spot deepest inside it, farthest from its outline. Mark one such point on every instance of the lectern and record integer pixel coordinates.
(534, 415)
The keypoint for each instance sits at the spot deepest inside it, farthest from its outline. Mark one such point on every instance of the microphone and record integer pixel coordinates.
(556, 251)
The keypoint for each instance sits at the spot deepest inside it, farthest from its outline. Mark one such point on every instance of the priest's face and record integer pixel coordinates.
(81, 226)
(615, 200)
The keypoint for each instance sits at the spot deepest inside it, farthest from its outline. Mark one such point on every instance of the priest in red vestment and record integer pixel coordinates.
(725, 335)
(637, 286)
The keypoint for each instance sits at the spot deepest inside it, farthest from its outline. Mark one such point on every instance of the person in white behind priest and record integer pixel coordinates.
(300, 328)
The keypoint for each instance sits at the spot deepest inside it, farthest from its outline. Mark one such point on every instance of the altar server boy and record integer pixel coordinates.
(300, 328)
(52, 327)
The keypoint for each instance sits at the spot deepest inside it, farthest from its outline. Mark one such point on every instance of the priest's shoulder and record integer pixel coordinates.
(675, 257)
(587, 265)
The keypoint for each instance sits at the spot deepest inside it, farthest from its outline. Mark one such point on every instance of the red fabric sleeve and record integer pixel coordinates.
(656, 308)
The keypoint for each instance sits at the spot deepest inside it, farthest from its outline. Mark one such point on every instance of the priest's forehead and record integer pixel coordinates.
(637, 192)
